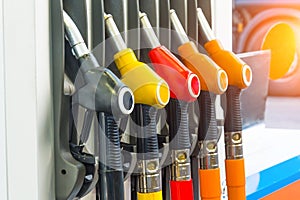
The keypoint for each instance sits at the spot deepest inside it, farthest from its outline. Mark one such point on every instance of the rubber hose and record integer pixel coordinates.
(233, 120)
(113, 151)
(111, 171)
(195, 175)
(207, 124)
(147, 143)
(178, 124)
(111, 185)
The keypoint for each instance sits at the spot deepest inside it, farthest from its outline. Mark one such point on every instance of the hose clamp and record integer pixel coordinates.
(181, 168)
(149, 178)
(209, 154)
(234, 145)
(80, 50)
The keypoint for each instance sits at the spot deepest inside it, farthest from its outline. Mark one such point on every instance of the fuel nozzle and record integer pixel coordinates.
(239, 73)
(137, 75)
(151, 92)
(239, 77)
(184, 84)
(104, 93)
(185, 87)
(102, 90)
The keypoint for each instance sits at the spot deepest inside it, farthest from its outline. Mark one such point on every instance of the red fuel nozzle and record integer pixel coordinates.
(184, 84)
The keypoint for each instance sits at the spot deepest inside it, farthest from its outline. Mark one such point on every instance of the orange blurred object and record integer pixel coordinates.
(281, 40)
(290, 192)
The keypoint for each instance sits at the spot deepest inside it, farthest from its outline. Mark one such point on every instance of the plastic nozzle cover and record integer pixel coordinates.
(210, 187)
(213, 78)
(102, 90)
(239, 73)
(148, 87)
(150, 196)
(184, 84)
(235, 179)
(182, 190)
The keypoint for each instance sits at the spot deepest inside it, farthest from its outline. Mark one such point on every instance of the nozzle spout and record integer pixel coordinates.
(205, 26)
(74, 37)
(113, 31)
(183, 38)
(148, 31)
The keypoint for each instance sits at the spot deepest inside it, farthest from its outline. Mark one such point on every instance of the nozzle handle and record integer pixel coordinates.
(239, 73)
(102, 91)
(212, 77)
(184, 84)
(147, 86)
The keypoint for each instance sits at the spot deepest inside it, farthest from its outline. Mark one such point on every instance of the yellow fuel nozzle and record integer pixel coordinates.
(148, 87)
(212, 77)
(239, 73)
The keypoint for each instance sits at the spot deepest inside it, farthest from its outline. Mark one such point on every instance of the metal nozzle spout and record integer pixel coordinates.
(205, 26)
(74, 37)
(148, 31)
(113, 31)
(178, 27)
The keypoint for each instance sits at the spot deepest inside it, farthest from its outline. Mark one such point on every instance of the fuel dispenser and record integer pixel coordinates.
(131, 95)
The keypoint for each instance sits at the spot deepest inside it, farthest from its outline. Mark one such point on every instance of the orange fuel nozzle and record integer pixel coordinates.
(239, 73)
